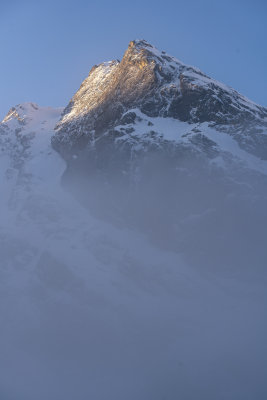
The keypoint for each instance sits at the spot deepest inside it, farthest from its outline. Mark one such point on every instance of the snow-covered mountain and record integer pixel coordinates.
(150, 97)
(132, 239)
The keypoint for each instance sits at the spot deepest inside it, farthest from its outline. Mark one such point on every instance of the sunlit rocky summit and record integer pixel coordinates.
(151, 97)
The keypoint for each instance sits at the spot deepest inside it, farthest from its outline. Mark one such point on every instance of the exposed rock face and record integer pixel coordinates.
(103, 110)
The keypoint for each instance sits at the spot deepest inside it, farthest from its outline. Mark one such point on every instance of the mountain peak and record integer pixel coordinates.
(141, 45)
(21, 111)
(144, 52)
(157, 85)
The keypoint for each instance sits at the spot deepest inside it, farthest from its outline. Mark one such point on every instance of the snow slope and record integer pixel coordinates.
(138, 133)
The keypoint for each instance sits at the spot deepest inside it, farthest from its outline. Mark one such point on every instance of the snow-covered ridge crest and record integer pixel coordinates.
(201, 79)
(31, 113)
(20, 112)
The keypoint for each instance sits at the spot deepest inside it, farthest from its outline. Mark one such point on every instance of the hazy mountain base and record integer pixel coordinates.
(163, 298)
(215, 216)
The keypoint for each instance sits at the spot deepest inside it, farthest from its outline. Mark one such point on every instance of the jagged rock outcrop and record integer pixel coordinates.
(118, 97)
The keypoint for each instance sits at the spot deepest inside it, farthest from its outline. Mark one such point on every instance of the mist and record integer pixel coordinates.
(135, 280)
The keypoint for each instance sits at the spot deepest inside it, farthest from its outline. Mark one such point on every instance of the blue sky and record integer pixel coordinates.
(48, 47)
